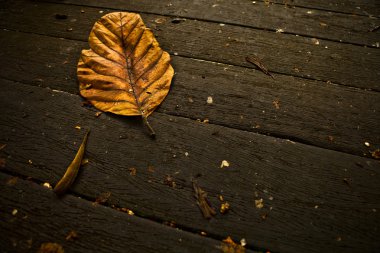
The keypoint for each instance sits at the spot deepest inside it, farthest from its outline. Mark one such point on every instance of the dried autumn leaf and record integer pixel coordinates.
(202, 201)
(125, 71)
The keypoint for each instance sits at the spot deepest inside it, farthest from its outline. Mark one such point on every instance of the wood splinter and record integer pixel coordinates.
(202, 201)
(72, 171)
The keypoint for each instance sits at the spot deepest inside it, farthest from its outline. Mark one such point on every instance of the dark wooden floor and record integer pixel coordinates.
(304, 142)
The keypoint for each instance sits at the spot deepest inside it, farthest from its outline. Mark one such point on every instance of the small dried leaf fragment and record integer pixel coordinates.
(258, 63)
(376, 154)
(202, 201)
(50, 247)
(125, 72)
(259, 203)
(224, 163)
(102, 198)
(229, 246)
(72, 235)
(224, 207)
(12, 181)
(72, 171)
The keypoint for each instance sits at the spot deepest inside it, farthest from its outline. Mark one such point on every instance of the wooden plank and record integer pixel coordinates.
(315, 200)
(358, 7)
(305, 22)
(283, 53)
(313, 112)
(42, 217)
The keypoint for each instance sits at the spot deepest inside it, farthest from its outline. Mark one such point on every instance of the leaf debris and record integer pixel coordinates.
(224, 207)
(258, 63)
(72, 235)
(132, 171)
(276, 104)
(224, 164)
(376, 154)
(202, 201)
(12, 181)
(50, 247)
(126, 210)
(259, 203)
(102, 198)
(229, 246)
(169, 181)
(47, 185)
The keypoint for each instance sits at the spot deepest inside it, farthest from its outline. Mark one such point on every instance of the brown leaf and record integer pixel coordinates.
(72, 171)
(125, 71)
(257, 62)
(202, 202)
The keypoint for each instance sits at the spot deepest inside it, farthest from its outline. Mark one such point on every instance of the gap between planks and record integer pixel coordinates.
(136, 214)
(218, 122)
(224, 22)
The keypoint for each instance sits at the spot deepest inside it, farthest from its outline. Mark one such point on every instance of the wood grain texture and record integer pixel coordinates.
(125, 71)
(308, 192)
(42, 217)
(359, 7)
(337, 117)
(288, 54)
(301, 21)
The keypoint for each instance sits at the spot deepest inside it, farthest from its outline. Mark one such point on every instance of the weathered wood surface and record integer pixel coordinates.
(321, 194)
(315, 199)
(302, 21)
(42, 217)
(338, 117)
(358, 7)
(288, 54)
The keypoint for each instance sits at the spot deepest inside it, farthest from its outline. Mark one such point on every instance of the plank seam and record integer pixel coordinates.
(208, 60)
(224, 22)
(87, 198)
(263, 133)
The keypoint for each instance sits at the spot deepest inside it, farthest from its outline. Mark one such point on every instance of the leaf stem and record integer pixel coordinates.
(146, 123)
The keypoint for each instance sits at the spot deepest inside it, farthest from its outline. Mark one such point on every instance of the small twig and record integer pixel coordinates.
(257, 62)
(152, 133)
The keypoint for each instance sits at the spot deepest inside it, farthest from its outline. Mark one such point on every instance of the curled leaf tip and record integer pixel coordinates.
(72, 171)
